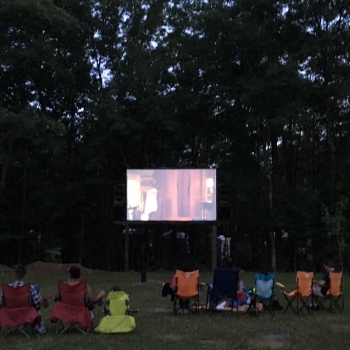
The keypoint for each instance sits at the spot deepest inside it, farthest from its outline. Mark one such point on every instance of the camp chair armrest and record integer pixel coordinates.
(279, 284)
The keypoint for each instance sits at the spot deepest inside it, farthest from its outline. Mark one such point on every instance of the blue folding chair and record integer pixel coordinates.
(224, 286)
(263, 294)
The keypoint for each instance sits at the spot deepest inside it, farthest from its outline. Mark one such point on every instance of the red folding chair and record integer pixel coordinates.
(70, 311)
(17, 311)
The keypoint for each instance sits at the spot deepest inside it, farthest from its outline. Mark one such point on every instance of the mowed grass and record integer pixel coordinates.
(162, 330)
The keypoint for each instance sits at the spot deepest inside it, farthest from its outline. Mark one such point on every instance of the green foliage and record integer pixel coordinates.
(258, 89)
(337, 223)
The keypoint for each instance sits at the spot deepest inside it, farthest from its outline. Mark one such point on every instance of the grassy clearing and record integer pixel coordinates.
(162, 330)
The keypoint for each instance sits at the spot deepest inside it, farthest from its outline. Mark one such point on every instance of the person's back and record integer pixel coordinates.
(36, 299)
(74, 279)
(185, 267)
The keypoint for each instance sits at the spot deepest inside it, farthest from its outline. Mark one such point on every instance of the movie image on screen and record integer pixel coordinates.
(171, 195)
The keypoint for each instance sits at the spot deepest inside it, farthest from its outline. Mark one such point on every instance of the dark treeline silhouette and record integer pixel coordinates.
(258, 89)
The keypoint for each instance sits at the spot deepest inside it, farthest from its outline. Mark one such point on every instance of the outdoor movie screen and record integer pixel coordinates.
(171, 195)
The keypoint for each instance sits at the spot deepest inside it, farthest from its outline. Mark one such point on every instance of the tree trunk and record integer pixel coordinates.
(5, 169)
(81, 250)
(273, 251)
(272, 233)
(340, 256)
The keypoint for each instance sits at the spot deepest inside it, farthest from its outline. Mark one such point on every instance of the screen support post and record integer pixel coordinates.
(144, 254)
(214, 254)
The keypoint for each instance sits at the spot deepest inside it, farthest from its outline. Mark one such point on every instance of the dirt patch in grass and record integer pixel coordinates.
(268, 345)
(47, 267)
(157, 310)
(174, 337)
(5, 269)
(269, 341)
(54, 268)
(340, 328)
(212, 344)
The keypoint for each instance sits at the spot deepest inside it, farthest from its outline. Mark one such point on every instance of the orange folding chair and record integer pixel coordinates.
(187, 284)
(70, 311)
(17, 311)
(298, 299)
(334, 293)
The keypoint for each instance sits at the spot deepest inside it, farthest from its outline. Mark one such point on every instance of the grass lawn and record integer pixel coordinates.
(162, 330)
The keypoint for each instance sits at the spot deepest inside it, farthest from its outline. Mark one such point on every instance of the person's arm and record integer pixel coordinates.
(240, 288)
(95, 298)
(36, 296)
(324, 281)
(173, 282)
(321, 283)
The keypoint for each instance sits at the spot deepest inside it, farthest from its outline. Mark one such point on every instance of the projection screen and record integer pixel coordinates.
(171, 195)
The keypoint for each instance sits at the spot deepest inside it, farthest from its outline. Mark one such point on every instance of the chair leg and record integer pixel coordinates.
(289, 305)
(197, 303)
(272, 312)
(253, 308)
(206, 303)
(175, 306)
(23, 330)
(81, 330)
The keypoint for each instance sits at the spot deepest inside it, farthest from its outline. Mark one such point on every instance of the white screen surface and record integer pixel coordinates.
(171, 195)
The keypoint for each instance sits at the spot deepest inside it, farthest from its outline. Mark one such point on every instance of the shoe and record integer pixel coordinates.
(184, 311)
(221, 306)
(314, 307)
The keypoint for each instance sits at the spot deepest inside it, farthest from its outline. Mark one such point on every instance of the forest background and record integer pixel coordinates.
(258, 89)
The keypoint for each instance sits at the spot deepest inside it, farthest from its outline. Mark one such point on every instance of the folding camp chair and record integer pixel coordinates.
(187, 284)
(17, 311)
(118, 317)
(301, 295)
(70, 311)
(117, 304)
(224, 287)
(263, 295)
(334, 293)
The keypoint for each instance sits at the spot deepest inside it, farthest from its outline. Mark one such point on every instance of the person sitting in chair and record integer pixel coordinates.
(242, 296)
(170, 288)
(320, 287)
(36, 299)
(74, 278)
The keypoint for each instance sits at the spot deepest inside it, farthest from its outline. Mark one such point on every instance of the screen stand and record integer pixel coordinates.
(144, 255)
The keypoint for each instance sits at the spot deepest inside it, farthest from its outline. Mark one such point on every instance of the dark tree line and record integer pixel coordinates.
(258, 89)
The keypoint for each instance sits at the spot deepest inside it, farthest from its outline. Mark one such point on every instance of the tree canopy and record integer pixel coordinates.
(258, 89)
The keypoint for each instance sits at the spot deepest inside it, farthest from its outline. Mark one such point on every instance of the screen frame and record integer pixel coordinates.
(194, 221)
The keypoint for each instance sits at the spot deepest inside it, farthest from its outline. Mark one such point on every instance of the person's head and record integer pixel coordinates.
(264, 269)
(329, 265)
(74, 272)
(187, 266)
(20, 272)
(116, 289)
(229, 263)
